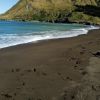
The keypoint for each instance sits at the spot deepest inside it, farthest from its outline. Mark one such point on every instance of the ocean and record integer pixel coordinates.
(14, 32)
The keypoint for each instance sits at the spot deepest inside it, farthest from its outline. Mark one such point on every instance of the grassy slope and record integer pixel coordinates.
(51, 10)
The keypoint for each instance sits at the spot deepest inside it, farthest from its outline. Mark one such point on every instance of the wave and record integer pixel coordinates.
(7, 40)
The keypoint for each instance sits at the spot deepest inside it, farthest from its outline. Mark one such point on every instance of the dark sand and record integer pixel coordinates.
(61, 69)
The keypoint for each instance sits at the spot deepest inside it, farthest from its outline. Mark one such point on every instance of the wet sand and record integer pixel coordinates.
(58, 69)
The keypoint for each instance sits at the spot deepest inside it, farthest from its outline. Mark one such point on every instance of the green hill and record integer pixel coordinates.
(80, 11)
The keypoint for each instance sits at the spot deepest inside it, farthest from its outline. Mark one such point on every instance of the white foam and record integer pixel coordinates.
(7, 40)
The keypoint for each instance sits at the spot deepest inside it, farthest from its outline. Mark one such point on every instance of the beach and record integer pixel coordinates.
(56, 69)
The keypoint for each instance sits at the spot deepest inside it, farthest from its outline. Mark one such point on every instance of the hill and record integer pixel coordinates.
(80, 11)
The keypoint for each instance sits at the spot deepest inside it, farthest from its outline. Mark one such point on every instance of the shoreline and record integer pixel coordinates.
(86, 30)
(50, 69)
(38, 42)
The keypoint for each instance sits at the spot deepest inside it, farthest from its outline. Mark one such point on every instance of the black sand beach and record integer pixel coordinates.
(61, 69)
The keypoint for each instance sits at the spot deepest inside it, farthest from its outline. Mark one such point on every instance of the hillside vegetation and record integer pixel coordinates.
(80, 11)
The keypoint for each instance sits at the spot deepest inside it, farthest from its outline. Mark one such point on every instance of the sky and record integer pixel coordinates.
(6, 5)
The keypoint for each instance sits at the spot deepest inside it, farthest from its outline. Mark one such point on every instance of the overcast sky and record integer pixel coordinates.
(6, 5)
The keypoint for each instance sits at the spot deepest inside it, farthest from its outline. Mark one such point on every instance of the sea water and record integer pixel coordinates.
(14, 32)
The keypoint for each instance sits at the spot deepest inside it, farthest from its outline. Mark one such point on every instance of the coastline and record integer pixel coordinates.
(88, 31)
(12, 38)
(43, 70)
(16, 39)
